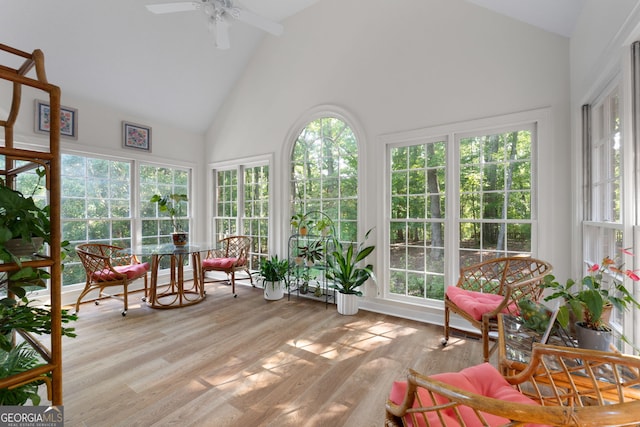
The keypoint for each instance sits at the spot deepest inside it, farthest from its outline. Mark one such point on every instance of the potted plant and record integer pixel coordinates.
(24, 226)
(311, 253)
(324, 226)
(301, 223)
(15, 359)
(172, 205)
(343, 268)
(273, 272)
(23, 220)
(590, 299)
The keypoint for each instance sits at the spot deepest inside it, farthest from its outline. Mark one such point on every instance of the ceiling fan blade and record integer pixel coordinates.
(255, 20)
(173, 7)
(222, 33)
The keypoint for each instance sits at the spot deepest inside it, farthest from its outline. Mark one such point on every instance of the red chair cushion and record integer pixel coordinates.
(477, 303)
(132, 271)
(219, 263)
(481, 379)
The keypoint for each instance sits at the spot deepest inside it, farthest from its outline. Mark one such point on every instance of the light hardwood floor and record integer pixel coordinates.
(244, 362)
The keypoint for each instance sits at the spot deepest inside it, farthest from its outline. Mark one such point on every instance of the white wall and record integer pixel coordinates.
(100, 132)
(396, 67)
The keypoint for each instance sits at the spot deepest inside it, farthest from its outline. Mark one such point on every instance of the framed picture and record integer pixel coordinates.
(136, 136)
(68, 120)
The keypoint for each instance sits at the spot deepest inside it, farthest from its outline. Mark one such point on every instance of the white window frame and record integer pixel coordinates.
(539, 119)
(239, 165)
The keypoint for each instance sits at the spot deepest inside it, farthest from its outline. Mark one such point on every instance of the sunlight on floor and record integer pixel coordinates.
(249, 383)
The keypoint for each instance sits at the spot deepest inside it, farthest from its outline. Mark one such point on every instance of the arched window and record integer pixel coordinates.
(324, 174)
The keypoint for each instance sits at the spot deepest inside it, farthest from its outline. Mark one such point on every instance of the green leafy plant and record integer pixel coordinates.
(273, 270)
(172, 205)
(324, 226)
(302, 223)
(313, 252)
(343, 266)
(587, 299)
(29, 318)
(13, 361)
(21, 217)
(534, 315)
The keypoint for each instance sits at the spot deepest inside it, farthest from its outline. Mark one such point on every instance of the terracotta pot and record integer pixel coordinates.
(180, 238)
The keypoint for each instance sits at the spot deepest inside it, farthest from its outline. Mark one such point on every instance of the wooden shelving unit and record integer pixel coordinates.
(51, 370)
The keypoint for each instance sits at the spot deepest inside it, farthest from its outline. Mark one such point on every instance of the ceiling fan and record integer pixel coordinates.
(218, 14)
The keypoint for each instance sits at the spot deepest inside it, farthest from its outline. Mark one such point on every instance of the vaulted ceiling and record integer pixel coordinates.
(165, 67)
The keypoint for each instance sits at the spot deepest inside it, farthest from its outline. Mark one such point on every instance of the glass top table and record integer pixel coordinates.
(587, 372)
(176, 293)
(516, 342)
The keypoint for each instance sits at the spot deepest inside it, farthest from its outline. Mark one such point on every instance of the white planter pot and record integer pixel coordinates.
(273, 291)
(347, 303)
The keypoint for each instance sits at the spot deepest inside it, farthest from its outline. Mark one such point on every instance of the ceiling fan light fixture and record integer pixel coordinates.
(216, 12)
(221, 33)
(208, 9)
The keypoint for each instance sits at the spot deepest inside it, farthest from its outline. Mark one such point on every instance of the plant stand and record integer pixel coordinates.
(51, 370)
(308, 265)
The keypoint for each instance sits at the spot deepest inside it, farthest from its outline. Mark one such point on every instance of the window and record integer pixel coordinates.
(481, 211)
(242, 205)
(226, 203)
(156, 225)
(416, 228)
(324, 164)
(96, 206)
(495, 195)
(606, 159)
(603, 230)
(255, 219)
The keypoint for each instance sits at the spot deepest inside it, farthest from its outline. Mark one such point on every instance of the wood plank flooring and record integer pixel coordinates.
(243, 362)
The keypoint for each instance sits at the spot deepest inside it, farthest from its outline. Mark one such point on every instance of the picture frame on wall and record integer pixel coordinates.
(68, 120)
(136, 136)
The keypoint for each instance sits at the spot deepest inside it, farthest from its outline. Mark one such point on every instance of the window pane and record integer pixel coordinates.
(492, 167)
(418, 195)
(96, 206)
(255, 221)
(324, 177)
(156, 225)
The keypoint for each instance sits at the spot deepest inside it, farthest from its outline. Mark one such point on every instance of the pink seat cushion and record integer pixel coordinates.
(477, 303)
(132, 271)
(481, 379)
(219, 263)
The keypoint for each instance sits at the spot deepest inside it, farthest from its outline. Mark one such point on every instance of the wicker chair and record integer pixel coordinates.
(106, 266)
(233, 257)
(562, 387)
(491, 287)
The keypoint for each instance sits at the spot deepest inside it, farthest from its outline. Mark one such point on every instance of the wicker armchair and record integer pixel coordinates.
(491, 287)
(106, 266)
(561, 387)
(233, 257)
